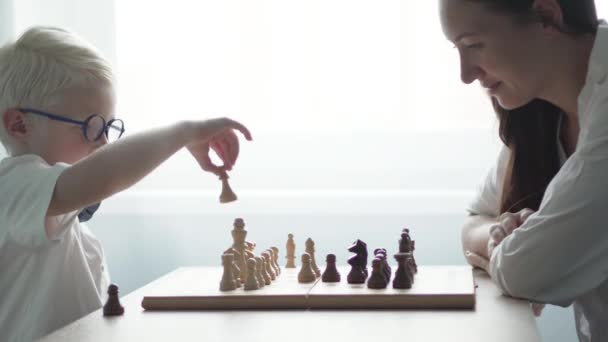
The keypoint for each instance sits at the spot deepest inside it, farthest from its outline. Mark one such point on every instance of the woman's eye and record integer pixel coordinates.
(474, 46)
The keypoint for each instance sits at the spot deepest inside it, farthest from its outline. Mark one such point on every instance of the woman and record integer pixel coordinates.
(539, 223)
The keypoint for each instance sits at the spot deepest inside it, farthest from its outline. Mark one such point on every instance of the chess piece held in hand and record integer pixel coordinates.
(227, 194)
(112, 306)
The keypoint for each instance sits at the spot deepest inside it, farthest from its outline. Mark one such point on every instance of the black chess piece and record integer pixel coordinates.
(360, 249)
(402, 279)
(405, 243)
(377, 280)
(331, 274)
(356, 274)
(112, 306)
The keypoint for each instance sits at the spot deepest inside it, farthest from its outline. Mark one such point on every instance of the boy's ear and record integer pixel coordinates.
(14, 123)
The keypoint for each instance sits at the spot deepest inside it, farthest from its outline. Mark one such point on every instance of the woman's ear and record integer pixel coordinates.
(549, 14)
(14, 123)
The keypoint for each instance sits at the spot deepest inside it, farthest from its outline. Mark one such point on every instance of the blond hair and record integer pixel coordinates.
(44, 61)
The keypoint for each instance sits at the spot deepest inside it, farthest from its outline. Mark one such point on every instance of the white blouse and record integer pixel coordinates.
(560, 254)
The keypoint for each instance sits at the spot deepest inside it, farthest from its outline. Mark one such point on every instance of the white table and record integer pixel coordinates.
(496, 318)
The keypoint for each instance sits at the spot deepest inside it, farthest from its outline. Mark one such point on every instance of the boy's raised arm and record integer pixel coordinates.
(121, 164)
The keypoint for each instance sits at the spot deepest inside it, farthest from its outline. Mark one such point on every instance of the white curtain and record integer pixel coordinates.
(92, 19)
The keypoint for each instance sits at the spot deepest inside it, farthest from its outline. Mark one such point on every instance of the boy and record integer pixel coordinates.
(57, 107)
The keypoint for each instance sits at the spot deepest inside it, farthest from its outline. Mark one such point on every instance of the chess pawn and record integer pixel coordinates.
(267, 267)
(331, 274)
(227, 194)
(275, 259)
(261, 269)
(271, 263)
(252, 282)
(386, 268)
(250, 246)
(236, 271)
(227, 283)
(112, 306)
(291, 252)
(402, 279)
(310, 249)
(377, 280)
(306, 275)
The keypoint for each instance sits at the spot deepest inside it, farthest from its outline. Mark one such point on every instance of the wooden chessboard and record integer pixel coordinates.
(197, 288)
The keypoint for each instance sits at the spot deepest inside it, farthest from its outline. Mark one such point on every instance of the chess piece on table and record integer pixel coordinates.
(386, 268)
(356, 274)
(306, 275)
(275, 259)
(360, 258)
(273, 267)
(227, 194)
(267, 268)
(112, 306)
(252, 282)
(402, 278)
(227, 283)
(411, 272)
(377, 280)
(261, 268)
(310, 249)
(407, 245)
(415, 266)
(238, 236)
(236, 271)
(331, 274)
(291, 252)
(250, 246)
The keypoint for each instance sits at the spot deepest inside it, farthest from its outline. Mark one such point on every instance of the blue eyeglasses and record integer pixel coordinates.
(92, 128)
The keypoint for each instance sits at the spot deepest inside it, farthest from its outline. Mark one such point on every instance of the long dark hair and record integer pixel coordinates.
(531, 131)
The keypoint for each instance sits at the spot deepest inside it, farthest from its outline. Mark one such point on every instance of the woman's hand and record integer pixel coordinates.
(506, 224)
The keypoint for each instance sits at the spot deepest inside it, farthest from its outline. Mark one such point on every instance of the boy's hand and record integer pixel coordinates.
(217, 134)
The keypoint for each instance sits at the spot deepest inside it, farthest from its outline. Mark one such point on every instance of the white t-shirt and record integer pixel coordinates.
(46, 282)
(560, 254)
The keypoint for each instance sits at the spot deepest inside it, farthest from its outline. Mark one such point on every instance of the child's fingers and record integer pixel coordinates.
(206, 164)
(232, 124)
